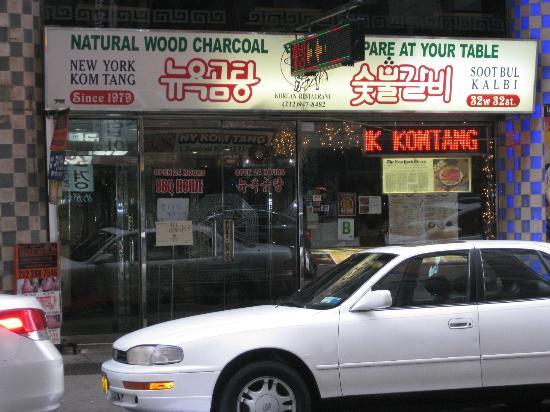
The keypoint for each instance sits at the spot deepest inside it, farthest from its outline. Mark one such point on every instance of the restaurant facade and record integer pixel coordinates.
(197, 174)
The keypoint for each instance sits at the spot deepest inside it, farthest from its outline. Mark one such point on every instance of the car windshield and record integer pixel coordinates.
(340, 282)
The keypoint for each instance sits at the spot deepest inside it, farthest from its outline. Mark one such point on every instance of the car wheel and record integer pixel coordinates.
(265, 386)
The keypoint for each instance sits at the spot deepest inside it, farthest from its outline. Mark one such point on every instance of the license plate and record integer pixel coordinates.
(104, 384)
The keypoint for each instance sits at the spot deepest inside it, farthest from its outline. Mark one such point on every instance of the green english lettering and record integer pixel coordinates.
(95, 38)
(246, 45)
(125, 43)
(236, 44)
(115, 43)
(86, 43)
(227, 45)
(76, 41)
(197, 44)
(217, 45)
(207, 44)
(150, 43)
(264, 50)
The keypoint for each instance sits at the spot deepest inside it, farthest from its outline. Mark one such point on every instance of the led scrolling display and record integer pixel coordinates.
(342, 45)
(421, 141)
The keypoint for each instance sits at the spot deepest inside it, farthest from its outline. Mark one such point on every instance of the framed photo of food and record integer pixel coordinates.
(452, 175)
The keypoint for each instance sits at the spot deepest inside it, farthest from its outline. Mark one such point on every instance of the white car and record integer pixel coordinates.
(31, 368)
(388, 320)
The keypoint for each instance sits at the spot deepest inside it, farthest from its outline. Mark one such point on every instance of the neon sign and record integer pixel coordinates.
(431, 140)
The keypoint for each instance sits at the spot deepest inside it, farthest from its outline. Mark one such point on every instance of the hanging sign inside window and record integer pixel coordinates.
(174, 233)
(346, 204)
(170, 208)
(346, 229)
(178, 181)
(81, 177)
(260, 180)
(426, 175)
(228, 240)
(370, 205)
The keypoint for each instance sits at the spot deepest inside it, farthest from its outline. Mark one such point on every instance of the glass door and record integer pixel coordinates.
(259, 220)
(233, 183)
(182, 182)
(98, 220)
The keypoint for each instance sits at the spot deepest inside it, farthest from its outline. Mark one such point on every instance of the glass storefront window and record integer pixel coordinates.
(235, 183)
(98, 218)
(104, 137)
(429, 195)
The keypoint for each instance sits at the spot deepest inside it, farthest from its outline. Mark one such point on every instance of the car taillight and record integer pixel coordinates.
(30, 323)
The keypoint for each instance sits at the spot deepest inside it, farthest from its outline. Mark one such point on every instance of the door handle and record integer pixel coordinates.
(131, 252)
(460, 323)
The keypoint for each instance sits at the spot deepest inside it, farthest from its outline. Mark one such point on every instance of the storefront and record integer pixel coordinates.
(199, 175)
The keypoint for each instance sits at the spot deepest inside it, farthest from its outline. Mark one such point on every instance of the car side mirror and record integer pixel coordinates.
(104, 258)
(375, 299)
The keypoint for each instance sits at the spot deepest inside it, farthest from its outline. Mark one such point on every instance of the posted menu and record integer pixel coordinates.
(426, 175)
(417, 218)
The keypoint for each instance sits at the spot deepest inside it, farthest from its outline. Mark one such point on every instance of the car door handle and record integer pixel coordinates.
(460, 323)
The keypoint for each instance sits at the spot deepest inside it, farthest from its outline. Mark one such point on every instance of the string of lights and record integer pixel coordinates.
(284, 143)
(488, 193)
(348, 135)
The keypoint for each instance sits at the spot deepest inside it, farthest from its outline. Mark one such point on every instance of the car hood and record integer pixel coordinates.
(226, 322)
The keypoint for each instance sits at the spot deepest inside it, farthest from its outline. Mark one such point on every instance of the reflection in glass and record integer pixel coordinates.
(99, 259)
(340, 282)
(235, 181)
(335, 168)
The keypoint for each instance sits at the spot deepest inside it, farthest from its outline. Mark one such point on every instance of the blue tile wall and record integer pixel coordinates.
(520, 151)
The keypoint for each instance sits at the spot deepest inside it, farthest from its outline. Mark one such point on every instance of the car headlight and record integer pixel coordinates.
(154, 355)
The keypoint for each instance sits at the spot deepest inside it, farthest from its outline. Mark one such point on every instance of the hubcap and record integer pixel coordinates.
(266, 394)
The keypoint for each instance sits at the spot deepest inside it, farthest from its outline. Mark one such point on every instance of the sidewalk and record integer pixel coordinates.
(82, 380)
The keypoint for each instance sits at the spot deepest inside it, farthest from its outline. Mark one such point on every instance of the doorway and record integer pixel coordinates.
(236, 182)
(98, 221)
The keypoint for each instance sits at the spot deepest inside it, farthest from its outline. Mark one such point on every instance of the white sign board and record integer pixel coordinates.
(426, 175)
(417, 218)
(169, 208)
(175, 233)
(122, 69)
(81, 177)
(370, 205)
(346, 228)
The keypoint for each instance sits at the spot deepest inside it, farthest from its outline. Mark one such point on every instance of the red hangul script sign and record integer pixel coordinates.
(260, 180)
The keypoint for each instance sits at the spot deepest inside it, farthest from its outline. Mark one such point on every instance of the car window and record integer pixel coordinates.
(340, 282)
(435, 279)
(515, 274)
